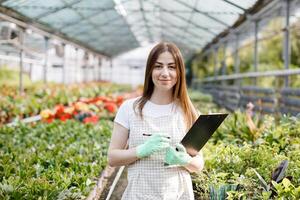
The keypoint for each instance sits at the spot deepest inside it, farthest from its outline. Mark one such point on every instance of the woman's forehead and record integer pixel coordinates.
(165, 57)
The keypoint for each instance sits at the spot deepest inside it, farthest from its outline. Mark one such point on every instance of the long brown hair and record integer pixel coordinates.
(180, 95)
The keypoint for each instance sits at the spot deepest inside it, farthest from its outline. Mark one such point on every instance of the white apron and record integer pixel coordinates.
(148, 179)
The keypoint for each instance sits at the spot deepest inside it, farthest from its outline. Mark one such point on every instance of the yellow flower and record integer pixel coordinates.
(69, 110)
(80, 106)
(46, 113)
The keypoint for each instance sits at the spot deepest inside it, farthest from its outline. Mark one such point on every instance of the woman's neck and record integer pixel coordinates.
(161, 97)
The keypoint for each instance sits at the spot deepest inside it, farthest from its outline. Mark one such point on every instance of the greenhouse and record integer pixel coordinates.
(71, 69)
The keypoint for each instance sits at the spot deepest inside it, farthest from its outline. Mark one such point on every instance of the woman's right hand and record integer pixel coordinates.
(156, 142)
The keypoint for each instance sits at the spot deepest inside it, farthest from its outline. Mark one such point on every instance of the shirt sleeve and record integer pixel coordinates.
(122, 116)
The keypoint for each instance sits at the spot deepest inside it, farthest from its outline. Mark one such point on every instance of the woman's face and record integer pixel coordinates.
(164, 75)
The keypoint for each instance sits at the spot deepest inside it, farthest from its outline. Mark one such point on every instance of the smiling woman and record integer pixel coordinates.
(164, 74)
(153, 125)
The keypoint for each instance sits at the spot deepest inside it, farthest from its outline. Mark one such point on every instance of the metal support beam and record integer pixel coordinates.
(184, 19)
(265, 11)
(145, 21)
(168, 25)
(64, 66)
(95, 68)
(46, 59)
(100, 60)
(255, 55)
(21, 38)
(277, 73)
(189, 20)
(76, 65)
(286, 47)
(42, 29)
(236, 57)
(84, 67)
(111, 69)
(224, 66)
(203, 13)
(235, 5)
(175, 38)
(215, 50)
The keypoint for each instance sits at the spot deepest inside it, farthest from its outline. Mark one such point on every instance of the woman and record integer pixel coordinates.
(153, 125)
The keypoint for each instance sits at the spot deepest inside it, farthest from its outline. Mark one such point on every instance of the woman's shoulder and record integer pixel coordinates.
(129, 103)
(131, 100)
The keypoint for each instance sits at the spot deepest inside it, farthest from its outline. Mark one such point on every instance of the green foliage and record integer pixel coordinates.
(232, 156)
(52, 161)
(12, 77)
(286, 190)
(203, 102)
(220, 193)
(197, 96)
(270, 54)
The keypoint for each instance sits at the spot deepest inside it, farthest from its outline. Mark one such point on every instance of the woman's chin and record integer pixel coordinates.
(165, 87)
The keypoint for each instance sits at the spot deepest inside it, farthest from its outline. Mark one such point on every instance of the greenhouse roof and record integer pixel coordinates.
(112, 27)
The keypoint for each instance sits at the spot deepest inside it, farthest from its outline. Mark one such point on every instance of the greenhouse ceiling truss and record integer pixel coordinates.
(112, 27)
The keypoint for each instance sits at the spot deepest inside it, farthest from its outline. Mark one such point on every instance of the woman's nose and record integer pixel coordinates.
(165, 72)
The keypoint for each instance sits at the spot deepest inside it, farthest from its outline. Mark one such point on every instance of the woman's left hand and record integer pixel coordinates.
(177, 156)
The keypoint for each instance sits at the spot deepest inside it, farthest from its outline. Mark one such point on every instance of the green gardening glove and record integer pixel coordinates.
(156, 142)
(177, 156)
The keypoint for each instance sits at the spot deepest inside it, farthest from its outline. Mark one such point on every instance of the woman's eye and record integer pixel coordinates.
(172, 67)
(158, 66)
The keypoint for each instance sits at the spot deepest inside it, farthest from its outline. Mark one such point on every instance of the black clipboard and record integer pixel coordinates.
(201, 131)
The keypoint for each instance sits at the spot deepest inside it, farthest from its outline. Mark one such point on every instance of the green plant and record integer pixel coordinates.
(220, 193)
(286, 190)
(51, 161)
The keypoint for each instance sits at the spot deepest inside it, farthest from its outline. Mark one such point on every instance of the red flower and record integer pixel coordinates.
(59, 110)
(110, 106)
(49, 120)
(93, 119)
(93, 100)
(64, 117)
(119, 100)
(104, 99)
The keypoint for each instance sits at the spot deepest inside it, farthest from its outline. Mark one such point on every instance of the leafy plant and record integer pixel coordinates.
(61, 160)
(221, 192)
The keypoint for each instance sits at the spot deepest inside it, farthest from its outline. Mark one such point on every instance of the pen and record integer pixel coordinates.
(145, 134)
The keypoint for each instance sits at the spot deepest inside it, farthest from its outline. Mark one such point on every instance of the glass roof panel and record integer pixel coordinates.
(58, 19)
(191, 23)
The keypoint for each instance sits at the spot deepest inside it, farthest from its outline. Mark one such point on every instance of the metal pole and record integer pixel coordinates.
(115, 181)
(99, 68)
(236, 59)
(215, 50)
(46, 59)
(21, 61)
(30, 71)
(224, 66)
(64, 65)
(84, 66)
(287, 41)
(111, 69)
(255, 60)
(76, 65)
(95, 68)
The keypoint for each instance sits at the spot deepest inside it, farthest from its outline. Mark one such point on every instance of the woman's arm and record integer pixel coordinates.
(197, 163)
(118, 154)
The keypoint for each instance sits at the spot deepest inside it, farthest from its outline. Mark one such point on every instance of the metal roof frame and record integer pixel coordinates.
(179, 18)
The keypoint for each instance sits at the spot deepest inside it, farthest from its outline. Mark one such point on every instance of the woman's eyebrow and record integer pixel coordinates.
(168, 63)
